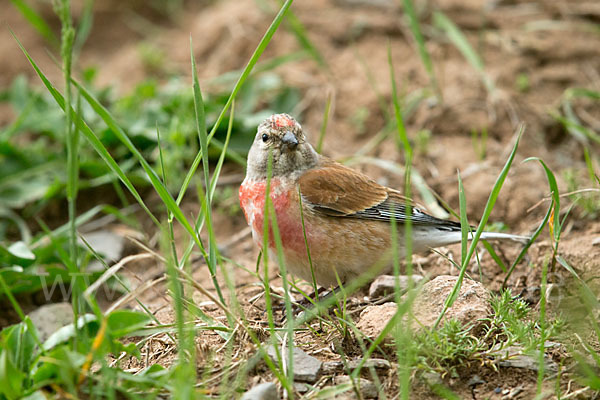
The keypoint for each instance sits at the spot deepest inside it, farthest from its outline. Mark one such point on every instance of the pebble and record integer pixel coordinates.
(51, 317)
(306, 368)
(386, 284)
(475, 380)
(513, 357)
(264, 391)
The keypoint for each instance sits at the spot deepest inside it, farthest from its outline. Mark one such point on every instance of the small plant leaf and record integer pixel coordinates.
(122, 322)
(20, 250)
(11, 378)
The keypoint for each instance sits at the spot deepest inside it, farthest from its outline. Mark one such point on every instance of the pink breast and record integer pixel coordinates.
(284, 199)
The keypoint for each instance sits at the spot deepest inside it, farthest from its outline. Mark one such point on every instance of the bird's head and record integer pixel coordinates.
(282, 136)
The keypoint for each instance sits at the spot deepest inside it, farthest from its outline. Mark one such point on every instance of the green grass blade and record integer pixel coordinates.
(582, 92)
(63, 9)
(206, 200)
(36, 21)
(462, 44)
(324, 124)
(161, 190)
(415, 29)
(401, 128)
(576, 129)
(245, 73)
(402, 332)
(464, 222)
(529, 243)
(494, 255)
(269, 227)
(89, 134)
(302, 37)
(219, 166)
(84, 27)
(555, 227)
(486, 214)
(590, 166)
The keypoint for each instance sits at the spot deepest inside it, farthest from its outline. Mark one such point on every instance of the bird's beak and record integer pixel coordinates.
(289, 140)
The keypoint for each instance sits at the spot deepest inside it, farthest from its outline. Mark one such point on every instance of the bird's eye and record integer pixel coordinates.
(265, 137)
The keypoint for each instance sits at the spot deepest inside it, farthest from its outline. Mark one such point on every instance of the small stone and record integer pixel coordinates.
(377, 363)
(366, 387)
(386, 284)
(374, 318)
(105, 242)
(513, 357)
(264, 391)
(432, 379)
(515, 392)
(306, 368)
(301, 387)
(475, 380)
(471, 306)
(51, 317)
(332, 367)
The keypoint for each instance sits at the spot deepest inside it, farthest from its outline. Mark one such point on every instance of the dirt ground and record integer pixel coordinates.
(532, 50)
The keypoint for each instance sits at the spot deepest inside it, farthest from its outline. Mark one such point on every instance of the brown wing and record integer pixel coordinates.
(338, 190)
(335, 190)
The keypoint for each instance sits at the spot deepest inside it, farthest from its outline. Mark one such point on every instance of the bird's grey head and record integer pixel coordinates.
(281, 136)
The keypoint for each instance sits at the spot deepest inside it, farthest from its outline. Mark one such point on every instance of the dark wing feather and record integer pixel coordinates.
(335, 190)
(391, 209)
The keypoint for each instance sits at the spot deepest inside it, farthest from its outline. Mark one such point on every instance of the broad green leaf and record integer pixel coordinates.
(68, 332)
(11, 379)
(122, 322)
(20, 250)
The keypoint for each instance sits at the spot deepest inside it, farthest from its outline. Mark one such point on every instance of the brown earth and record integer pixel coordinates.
(545, 46)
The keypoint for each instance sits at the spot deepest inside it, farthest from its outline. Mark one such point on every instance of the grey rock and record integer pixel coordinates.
(366, 387)
(51, 317)
(105, 242)
(386, 284)
(475, 380)
(377, 363)
(306, 368)
(514, 357)
(514, 392)
(264, 391)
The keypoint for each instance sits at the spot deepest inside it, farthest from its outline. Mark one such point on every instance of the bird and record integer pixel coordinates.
(333, 221)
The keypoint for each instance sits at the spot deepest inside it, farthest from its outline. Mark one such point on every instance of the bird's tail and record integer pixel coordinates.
(501, 236)
(424, 239)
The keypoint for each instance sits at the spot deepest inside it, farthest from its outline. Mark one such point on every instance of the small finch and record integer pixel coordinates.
(347, 216)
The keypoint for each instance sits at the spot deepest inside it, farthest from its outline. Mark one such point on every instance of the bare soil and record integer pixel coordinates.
(545, 46)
